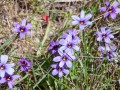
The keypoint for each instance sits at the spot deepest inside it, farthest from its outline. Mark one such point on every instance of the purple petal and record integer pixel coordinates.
(29, 26)
(16, 76)
(57, 59)
(54, 72)
(101, 49)
(61, 49)
(111, 36)
(60, 74)
(113, 15)
(82, 14)
(62, 63)
(10, 65)
(22, 35)
(15, 24)
(64, 35)
(75, 22)
(2, 73)
(70, 50)
(53, 65)
(88, 16)
(66, 71)
(108, 31)
(62, 42)
(28, 33)
(10, 71)
(114, 48)
(99, 38)
(69, 38)
(107, 40)
(54, 51)
(107, 3)
(88, 23)
(57, 42)
(103, 30)
(117, 10)
(4, 58)
(69, 64)
(10, 84)
(103, 9)
(23, 22)
(72, 57)
(16, 30)
(2, 80)
(24, 68)
(115, 4)
(115, 54)
(52, 43)
(76, 48)
(106, 14)
(81, 27)
(76, 18)
(73, 32)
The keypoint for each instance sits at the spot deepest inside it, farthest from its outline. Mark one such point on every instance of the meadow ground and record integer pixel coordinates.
(50, 19)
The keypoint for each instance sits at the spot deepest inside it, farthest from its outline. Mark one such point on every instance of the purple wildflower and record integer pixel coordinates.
(9, 79)
(24, 64)
(22, 29)
(59, 70)
(111, 9)
(64, 59)
(69, 45)
(53, 46)
(104, 35)
(82, 20)
(73, 34)
(5, 68)
(108, 51)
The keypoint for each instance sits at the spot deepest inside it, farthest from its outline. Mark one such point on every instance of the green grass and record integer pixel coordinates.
(85, 74)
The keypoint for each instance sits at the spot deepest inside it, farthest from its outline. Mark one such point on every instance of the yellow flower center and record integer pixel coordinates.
(2, 67)
(59, 69)
(64, 58)
(104, 35)
(24, 63)
(9, 78)
(81, 22)
(22, 30)
(110, 10)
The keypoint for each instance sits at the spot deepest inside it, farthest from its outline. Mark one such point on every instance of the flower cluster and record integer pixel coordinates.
(7, 71)
(111, 10)
(22, 29)
(65, 48)
(104, 36)
(24, 64)
(106, 49)
(82, 20)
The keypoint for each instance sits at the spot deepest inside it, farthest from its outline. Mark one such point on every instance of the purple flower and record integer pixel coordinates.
(22, 29)
(53, 46)
(24, 64)
(73, 34)
(64, 59)
(108, 51)
(59, 70)
(111, 9)
(69, 45)
(82, 20)
(104, 35)
(5, 68)
(9, 79)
